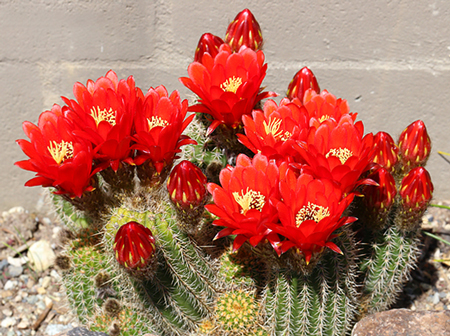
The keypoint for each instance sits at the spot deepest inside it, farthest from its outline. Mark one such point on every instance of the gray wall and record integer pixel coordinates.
(389, 59)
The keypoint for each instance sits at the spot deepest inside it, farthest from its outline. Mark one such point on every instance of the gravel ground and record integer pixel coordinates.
(32, 303)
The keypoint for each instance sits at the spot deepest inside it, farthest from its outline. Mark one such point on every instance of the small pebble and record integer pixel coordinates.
(3, 264)
(8, 322)
(10, 284)
(53, 329)
(46, 282)
(41, 290)
(23, 324)
(15, 271)
(55, 275)
(435, 300)
(7, 312)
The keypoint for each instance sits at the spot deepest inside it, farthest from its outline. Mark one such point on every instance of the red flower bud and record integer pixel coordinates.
(385, 151)
(186, 186)
(416, 192)
(134, 248)
(379, 199)
(208, 43)
(415, 145)
(302, 81)
(244, 30)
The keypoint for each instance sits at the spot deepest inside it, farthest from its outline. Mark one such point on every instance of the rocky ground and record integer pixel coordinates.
(33, 302)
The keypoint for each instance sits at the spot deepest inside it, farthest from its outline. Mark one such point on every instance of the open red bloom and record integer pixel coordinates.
(338, 151)
(208, 43)
(244, 30)
(324, 106)
(59, 158)
(243, 202)
(310, 211)
(228, 85)
(104, 112)
(159, 124)
(274, 131)
(303, 80)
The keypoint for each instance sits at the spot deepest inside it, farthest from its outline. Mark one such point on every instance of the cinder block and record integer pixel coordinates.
(77, 30)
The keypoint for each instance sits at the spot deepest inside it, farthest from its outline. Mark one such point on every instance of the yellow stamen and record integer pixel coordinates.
(156, 121)
(231, 84)
(311, 211)
(343, 154)
(323, 118)
(250, 200)
(274, 128)
(100, 115)
(60, 151)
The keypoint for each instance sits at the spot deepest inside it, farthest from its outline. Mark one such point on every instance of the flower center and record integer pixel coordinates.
(100, 115)
(250, 200)
(274, 128)
(231, 84)
(311, 211)
(60, 151)
(323, 118)
(156, 121)
(343, 154)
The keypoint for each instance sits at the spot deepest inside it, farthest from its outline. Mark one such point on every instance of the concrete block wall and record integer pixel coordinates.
(389, 58)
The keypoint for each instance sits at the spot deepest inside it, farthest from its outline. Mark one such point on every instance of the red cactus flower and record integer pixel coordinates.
(104, 112)
(385, 151)
(228, 85)
(243, 202)
(59, 158)
(303, 80)
(159, 124)
(415, 145)
(416, 190)
(380, 197)
(244, 31)
(324, 106)
(273, 131)
(134, 247)
(187, 185)
(339, 152)
(208, 43)
(309, 213)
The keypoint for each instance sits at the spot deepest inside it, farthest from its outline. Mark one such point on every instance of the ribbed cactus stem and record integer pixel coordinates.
(393, 256)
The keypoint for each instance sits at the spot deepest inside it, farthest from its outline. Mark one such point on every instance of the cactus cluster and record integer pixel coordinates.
(276, 219)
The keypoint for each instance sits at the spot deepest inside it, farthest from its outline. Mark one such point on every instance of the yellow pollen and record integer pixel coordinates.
(250, 200)
(60, 151)
(343, 154)
(231, 84)
(156, 121)
(323, 118)
(311, 211)
(100, 115)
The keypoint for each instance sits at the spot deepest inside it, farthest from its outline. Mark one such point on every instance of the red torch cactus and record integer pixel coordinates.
(208, 43)
(228, 86)
(104, 112)
(134, 249)
(309, 213)
(338, 151)
(303, 80)
(159, 124)
(273, 131)
(415, 145)
(244, 30)
(244, 201)
(59, 158)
